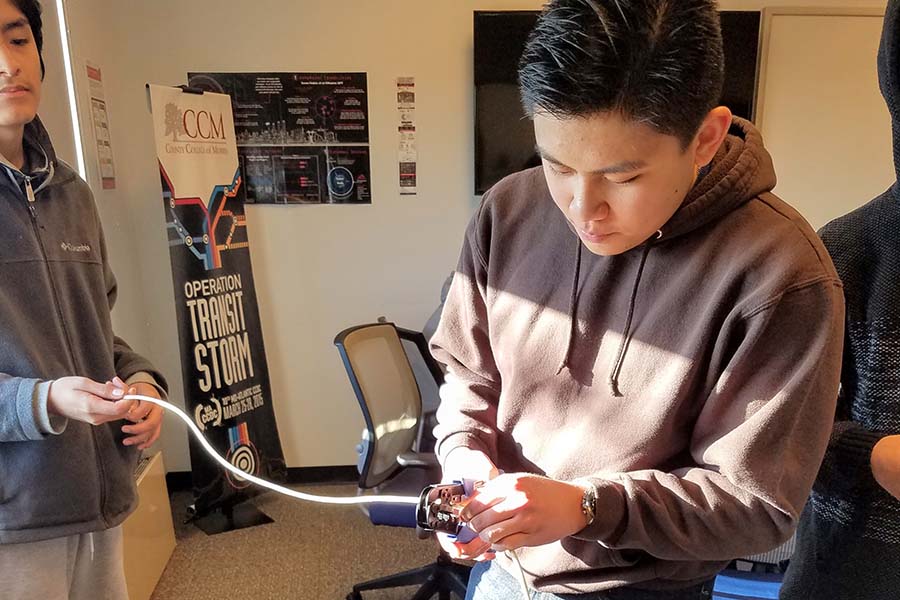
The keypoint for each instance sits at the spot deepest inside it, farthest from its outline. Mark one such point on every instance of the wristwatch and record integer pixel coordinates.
(589, 504)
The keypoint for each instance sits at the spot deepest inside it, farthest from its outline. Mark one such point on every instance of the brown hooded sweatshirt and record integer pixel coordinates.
(692, 380)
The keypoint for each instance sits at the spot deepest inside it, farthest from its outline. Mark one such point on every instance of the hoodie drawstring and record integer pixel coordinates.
(626, 336)
(573, 306)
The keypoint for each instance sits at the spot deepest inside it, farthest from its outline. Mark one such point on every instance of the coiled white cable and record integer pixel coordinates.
(260, 481)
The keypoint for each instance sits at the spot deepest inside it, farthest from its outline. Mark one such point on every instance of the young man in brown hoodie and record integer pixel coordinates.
(658, 404)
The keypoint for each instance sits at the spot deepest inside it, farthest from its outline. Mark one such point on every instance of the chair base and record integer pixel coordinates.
(441, 578)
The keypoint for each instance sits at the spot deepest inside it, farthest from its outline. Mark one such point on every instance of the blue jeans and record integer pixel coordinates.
(490, 581)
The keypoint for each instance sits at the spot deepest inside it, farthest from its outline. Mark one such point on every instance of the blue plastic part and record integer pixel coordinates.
(744, 585)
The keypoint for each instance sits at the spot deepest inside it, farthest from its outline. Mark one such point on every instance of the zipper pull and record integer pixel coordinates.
(29, 193)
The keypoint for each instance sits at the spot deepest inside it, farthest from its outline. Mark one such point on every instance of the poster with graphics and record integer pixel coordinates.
(226, 377)
(303, 138)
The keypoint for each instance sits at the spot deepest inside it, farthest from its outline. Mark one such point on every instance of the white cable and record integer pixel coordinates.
(293, 493)
(262, 482)
(512, 554)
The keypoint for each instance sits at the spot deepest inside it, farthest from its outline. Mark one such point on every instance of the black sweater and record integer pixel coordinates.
(848, 544)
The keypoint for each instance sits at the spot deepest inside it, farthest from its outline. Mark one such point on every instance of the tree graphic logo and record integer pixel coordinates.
(174, 121)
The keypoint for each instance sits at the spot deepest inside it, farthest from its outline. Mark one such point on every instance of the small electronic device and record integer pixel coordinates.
(438, 510)
(439, 507)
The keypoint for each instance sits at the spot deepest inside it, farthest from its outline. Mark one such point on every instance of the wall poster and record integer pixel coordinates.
(303, 138)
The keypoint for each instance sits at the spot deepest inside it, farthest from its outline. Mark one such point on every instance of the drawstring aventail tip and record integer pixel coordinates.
(614, 388)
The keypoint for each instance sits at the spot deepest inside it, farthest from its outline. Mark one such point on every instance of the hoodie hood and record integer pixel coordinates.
(38, 147)
(888, 66)
(41, 161)
(741, 170)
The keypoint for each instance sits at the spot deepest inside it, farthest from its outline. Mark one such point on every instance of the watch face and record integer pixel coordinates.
(589, 503)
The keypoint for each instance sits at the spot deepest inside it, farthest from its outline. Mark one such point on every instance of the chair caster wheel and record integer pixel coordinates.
(354, 596)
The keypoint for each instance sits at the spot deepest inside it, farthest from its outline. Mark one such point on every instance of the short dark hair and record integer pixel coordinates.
(32, 11)
(658, 62)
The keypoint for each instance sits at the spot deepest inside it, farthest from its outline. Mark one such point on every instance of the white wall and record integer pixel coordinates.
(318, 269)
(822, 114)
(88, 22)
(54, 109)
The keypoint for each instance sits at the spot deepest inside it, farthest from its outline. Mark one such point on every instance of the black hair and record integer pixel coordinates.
(32, 11)
(658, 62)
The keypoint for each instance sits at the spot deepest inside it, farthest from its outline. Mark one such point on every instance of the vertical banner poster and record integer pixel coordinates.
(226, 378)
(303, 138)
(408, 154)
(100, 123)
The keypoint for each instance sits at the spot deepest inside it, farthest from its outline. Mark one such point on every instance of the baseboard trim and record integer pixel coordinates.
(180, 481)
(336, 474)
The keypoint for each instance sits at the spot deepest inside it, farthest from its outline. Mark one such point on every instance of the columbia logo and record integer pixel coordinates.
(67, 247)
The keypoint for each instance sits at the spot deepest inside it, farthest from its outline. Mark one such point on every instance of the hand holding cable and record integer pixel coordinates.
(88, 401)
(146, 418)
(522, 509)
(466, 464)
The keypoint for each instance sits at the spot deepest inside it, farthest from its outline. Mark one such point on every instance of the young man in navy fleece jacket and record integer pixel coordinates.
(68, 443)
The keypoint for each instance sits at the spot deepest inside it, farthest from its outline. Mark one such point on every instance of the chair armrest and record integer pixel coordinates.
(417, 459)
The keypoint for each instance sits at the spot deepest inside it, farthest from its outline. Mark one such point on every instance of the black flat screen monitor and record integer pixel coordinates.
(504, 137)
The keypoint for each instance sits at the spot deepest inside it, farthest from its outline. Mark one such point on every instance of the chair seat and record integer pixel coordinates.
(408, 482)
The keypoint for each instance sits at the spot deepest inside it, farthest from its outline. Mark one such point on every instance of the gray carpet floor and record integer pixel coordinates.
(310, 552)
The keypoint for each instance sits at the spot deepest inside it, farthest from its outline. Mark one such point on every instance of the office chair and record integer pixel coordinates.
(389, 460)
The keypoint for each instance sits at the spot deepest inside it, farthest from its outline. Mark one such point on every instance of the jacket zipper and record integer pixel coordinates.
(29, 195)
